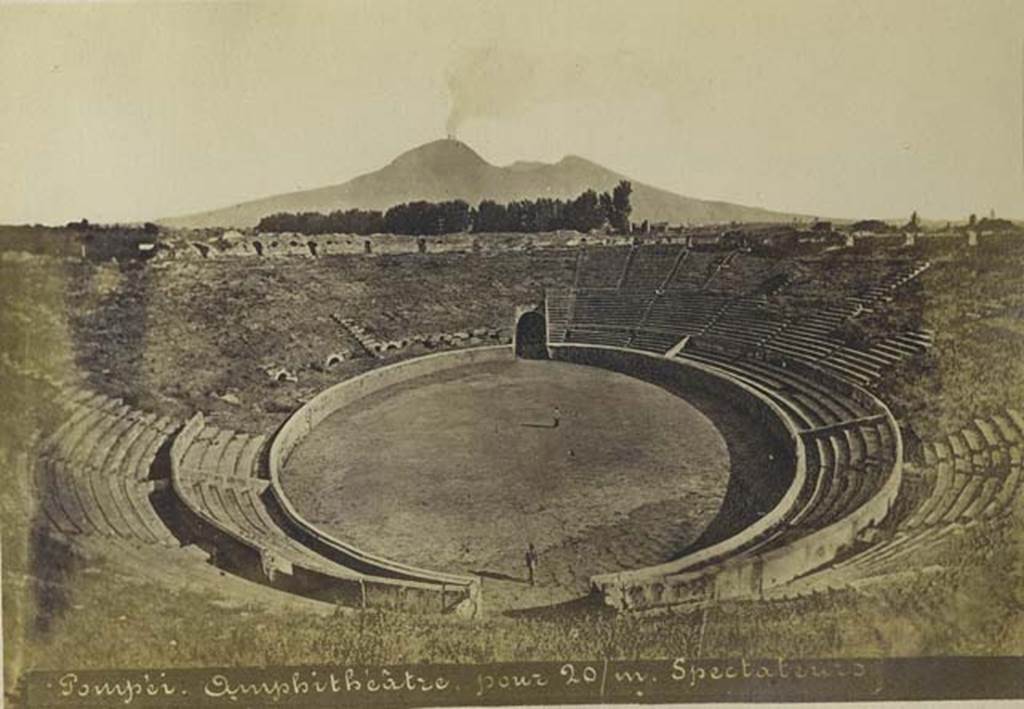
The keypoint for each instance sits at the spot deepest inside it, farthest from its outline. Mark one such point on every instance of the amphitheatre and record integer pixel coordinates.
(720, 441)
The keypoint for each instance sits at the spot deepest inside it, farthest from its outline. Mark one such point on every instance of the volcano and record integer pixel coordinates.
(450, 169)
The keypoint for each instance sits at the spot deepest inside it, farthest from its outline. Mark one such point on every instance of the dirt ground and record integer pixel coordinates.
(461, 470)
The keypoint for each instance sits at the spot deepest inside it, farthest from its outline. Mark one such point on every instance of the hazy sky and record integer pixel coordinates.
(848, 108)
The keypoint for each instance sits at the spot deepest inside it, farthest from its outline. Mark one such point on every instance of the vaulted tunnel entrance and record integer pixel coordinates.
(531, 336)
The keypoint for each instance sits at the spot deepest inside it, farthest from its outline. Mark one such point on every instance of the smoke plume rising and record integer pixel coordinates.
(494, 83)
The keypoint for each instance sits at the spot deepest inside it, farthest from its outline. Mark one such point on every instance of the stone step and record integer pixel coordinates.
(52, 507)
(139, 497)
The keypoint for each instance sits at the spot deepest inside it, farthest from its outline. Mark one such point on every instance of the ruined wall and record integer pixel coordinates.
(293, 245)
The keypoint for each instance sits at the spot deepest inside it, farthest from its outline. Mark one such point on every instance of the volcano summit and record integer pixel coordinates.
(449, 169)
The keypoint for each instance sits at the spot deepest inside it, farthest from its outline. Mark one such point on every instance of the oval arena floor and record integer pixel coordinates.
(459, 470)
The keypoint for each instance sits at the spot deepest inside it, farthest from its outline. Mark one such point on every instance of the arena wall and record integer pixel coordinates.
(817, 548)
(249, 558)
(669, 582)
(734, 568)
(302, 422)
(238, 555)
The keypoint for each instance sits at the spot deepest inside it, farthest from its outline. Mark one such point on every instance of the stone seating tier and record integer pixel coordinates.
(90, 470)
(233, 506)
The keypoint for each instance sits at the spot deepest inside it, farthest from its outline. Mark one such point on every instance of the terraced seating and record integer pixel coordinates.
(885, 289)
(1018, 419)
(651, 266)
(746, 274)
(794, 360)
(751, 322)
(870, 283)
(953, 505)
(847, 463)
(956, 499)
(720, 263)
(811, 278)
(118, 517)
(860, 456)
(944, 503)
(968, 486)
(683, 313)
(748, 320)
(797, 342)
(971, 474)
(692, 274)
(1007, 431)
(599, 336)
(653, 341)
(828, 484)
(958, 445)
(559, 307)
(774, 283)
(99, 501)
(973, 439)
(984, 496)
(602, 267)
(92, 472)
(798, 345)
(218, 477)
(811, 404)
(988, 433)
(882, 557)
(807, 338)
(1004, 495)
(215, 479)
(894, 350)
(609, 308)
(70, 455)
(669, 266)
(863, 367)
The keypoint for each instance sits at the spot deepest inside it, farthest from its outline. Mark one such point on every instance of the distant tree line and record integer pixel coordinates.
(993, 224)
(351, 221)
(584, 213)
(876, 226)
(86, 225)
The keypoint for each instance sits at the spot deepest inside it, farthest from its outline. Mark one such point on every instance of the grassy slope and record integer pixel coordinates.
(973, 608)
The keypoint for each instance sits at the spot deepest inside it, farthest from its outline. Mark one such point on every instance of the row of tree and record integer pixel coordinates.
(350, 221)
(586, 212)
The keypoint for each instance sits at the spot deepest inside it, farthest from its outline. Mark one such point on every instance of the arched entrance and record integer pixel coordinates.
(532, 336)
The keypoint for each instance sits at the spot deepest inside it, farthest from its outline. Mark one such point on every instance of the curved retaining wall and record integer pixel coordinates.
(817, 548)
(240, 553)
(248, 557)
(734, 568)
(808, 552)
(307, 417)
(669, 582)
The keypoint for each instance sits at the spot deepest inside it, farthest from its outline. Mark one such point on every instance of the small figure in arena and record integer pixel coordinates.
(531, 563)
(557, 417)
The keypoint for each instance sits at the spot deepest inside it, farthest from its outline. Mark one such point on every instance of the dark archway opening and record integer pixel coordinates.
(531, 336)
